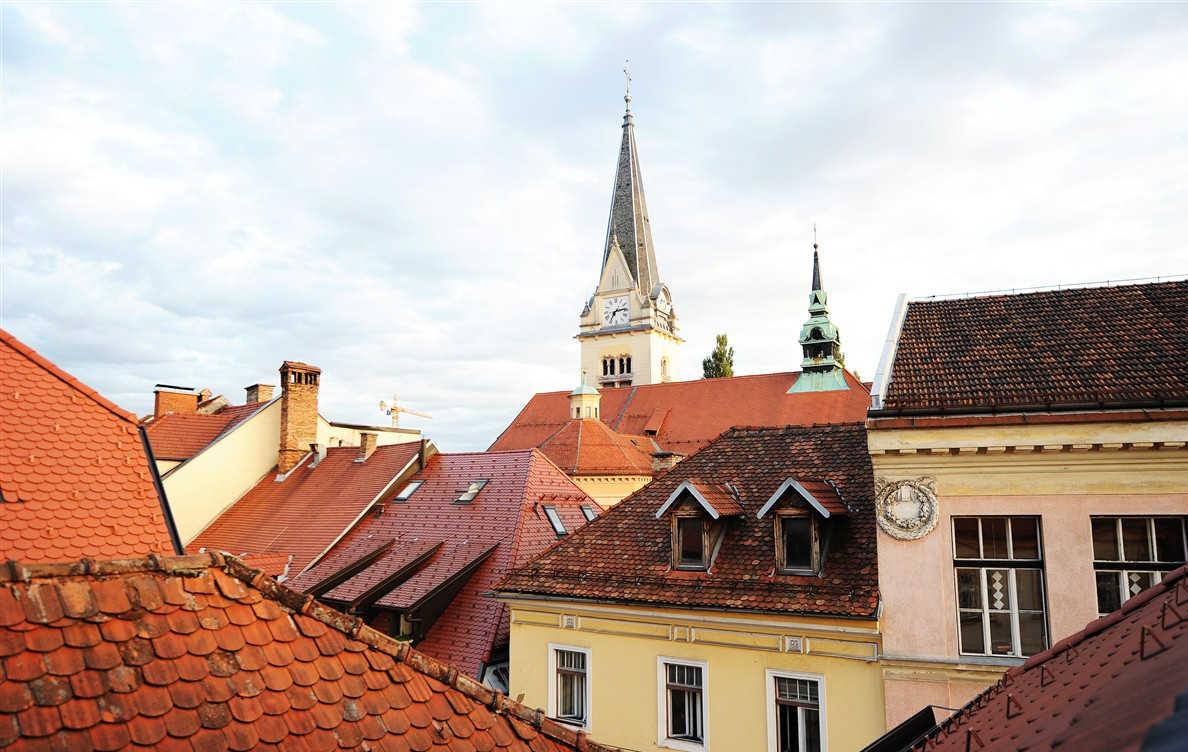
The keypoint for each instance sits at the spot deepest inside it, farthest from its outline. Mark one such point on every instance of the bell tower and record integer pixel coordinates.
(821, 369)
(627, 328)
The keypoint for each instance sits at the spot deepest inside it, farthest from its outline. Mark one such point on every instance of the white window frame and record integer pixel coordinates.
(770, 676)
(552, 704)
(555, 521)
(1122, 576)
(662, 737)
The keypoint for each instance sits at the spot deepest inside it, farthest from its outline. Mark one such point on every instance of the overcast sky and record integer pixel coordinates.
(414, 198)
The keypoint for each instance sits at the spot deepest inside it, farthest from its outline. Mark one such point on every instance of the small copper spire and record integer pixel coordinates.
(627, 118)
(816, 262)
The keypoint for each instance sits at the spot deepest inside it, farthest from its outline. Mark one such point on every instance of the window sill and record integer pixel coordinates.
(992, 660)
(684, 746)
(572, 723)
(799, 572)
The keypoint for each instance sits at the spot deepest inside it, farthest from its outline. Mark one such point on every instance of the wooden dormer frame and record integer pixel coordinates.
(706, 540)
(814, 542)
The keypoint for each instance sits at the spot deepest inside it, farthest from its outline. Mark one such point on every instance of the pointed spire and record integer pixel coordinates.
(628, 224)
(821, 368)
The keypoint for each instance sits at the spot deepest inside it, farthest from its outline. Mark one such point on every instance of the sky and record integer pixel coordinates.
(414, 197)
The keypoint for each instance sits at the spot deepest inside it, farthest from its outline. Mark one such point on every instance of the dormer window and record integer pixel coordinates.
(408, 490)
(689, 542)
(697, 509)
(798, 549)
(801, 521)
(471, 491)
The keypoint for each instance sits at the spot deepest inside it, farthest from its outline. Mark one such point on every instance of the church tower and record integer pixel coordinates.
(628, 327)
(821, 368)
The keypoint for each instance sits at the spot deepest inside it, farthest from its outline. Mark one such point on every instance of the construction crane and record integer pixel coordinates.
(394, 410)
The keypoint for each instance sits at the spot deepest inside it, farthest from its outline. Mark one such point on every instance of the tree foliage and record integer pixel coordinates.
(720, 362)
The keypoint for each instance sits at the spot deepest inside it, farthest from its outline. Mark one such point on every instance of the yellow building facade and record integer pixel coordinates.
(741, 654)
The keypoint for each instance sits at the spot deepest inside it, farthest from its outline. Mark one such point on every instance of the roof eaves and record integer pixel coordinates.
(691, 487)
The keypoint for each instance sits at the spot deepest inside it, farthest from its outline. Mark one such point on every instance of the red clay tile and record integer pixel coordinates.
(73, 471)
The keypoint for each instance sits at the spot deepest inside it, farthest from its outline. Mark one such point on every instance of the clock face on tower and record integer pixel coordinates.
(614, 311)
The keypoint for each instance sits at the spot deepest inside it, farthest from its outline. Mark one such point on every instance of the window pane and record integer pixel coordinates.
(1025, 538)
(998, 589)
(965, 538)
(1109, 598)
(972, 639)
(994, 536)
(798, 542)
(1135, 545)
(1169, 539)
(1030, 589)
(1031, 633)
(1137, 582)
(1000, 634)
(1105, 539)
(812, 730)
(969, 589)
(689, 531)
(678, 719)
(789, 728)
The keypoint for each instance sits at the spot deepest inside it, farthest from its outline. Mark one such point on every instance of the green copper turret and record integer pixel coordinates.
(821, 369)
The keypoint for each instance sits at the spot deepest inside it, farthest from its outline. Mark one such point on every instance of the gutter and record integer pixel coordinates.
(165, 508)
(1039, 407)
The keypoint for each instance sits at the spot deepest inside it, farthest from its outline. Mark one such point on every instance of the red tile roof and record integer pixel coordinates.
(714, 498)
(503, 527)
(1119, 684)
(310, 509)
(196, 653)
(690, 414)
(179, 436)
(625, 556)
(1084, 347)
(590, 447)
(74, 477)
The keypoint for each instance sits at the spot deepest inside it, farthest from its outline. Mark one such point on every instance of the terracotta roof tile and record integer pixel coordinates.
(590, 447)
(1082, 346)
(502, 527)
(410, 702)
(310, 509)
(690, 414)
(74, 477)
(1119, 684)
(624, 555)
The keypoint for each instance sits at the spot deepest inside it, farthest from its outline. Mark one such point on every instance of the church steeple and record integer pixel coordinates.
(821, 369)
(628, 328)
(628, 220)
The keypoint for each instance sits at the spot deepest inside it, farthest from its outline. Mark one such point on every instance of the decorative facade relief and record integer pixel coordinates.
(906, 509)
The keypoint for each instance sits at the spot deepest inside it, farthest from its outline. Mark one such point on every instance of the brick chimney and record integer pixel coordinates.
(366, 446)
(257, 393)
(168, 398)
(662, 461)
(299, 412)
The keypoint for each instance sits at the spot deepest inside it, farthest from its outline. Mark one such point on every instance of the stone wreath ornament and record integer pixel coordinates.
(906, 509)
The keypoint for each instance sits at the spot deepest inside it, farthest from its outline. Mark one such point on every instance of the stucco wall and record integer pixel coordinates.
(216, 477)
(610, 490)
(623, 672)
(1063, 474)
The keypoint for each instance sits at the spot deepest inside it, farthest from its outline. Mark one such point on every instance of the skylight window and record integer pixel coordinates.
(588, 512)
(472, 490)
(555, 521)
(408, 490)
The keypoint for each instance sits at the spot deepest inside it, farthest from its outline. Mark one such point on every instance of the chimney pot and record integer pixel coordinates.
(662, 461)
(367, 441)
(257, 393)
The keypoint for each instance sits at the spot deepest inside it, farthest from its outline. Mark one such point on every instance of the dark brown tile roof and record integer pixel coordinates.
(1089, 347)
(202, 653)
(624, 555)
(1119, 684)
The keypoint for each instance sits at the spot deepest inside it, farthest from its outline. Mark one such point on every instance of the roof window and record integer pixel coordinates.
(408, 490)
(555, 521)
(588, 512)
(472, 490)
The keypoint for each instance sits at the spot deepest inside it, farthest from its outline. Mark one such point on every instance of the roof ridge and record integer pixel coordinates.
(351, 626)
(55, 370)
(1009, 292)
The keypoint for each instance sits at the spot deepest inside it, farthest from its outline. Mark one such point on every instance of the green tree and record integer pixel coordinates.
(720, 362)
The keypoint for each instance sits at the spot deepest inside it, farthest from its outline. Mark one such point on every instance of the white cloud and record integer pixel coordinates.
(413, 196)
